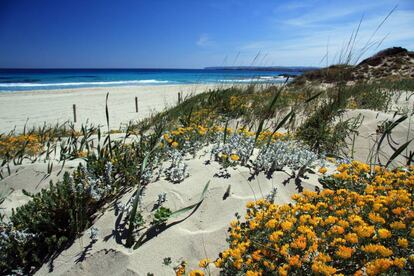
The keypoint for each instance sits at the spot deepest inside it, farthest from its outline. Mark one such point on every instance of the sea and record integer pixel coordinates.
(14, 80)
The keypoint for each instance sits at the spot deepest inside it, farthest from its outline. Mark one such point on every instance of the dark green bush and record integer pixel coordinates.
(54, 216)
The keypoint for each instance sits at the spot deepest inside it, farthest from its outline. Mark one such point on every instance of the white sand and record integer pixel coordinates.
(55, 106)
(367, 138)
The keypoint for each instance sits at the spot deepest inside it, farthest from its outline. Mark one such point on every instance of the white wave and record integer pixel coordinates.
(22, 84)
(271, 79)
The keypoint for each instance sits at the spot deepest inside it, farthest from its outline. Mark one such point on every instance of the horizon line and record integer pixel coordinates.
(152, 68)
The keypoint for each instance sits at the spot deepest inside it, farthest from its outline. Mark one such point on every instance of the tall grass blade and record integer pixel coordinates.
(389, 129)
(397, 153)
(225, 132)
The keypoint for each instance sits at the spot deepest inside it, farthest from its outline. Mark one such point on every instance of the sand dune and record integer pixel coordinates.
(201, 235)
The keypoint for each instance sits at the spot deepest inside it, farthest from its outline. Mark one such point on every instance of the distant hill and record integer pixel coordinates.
(392, 64)
(265, 68)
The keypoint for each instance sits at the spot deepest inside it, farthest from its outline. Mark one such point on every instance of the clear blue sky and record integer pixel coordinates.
(193, 33)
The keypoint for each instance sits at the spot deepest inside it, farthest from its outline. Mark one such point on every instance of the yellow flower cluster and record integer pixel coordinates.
(265, 135)
(330, 232)
(203, 115)
(238, 102)
(10, 144)
(180, 269)
(179, 136)
(355, 171)
(351, 104)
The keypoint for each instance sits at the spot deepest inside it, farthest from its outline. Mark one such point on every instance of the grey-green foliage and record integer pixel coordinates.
(281, 154)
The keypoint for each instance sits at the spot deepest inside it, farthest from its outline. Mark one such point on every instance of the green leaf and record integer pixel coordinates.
(313, 97)
(389, 129)
(225, 132)
(398, 152)
(188, 208)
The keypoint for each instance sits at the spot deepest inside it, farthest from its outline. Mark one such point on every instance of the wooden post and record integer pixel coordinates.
(179, 97)
(74, 113)
(136, 104)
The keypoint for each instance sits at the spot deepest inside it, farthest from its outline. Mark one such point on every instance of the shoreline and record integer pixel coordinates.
(56, 106)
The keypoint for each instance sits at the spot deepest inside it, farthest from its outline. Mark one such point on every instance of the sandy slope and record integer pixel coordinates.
(55, 106)
(202, 235)
(367, 132)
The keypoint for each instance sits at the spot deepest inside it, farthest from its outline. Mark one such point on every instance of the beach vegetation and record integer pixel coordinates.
(252, 127)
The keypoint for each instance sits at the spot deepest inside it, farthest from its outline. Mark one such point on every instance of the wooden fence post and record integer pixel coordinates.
(136, 104)
(74, 113)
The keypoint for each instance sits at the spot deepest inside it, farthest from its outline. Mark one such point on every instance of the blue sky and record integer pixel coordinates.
(193, 33)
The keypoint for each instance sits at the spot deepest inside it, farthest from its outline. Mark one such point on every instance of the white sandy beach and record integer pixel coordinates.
(55, 106)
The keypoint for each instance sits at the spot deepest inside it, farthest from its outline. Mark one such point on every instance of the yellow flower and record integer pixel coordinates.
(336, 229)
(180, 270)
(234, 157)
(250, 204)
(196, 272)
(299, 243)
(321, 268)
(364, 231)
(398, 211)
(400, 262)
(218, 263)
(331, 220)
(384, 233)
(375, 248)
(283, 270)
(295, 261)
(376, 218)
(343, 167)
(256, 255)
(271, 223)
(378, 266)
(344, 252)
(284, 250)
(253, 224)
(398, 225)
(174, 144)
(286, 225)
(204, 262)
(402, 242)
(351, 238)
(323, 170)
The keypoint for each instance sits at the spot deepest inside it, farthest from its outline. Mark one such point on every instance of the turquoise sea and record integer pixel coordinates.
(40, 79)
